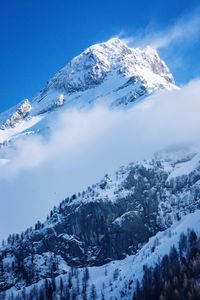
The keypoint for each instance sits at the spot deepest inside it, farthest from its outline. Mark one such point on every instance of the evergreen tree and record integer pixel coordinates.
(70, 280)
(41, 295)
(93, 293)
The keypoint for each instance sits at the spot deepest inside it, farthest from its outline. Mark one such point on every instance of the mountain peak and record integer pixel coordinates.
(109, 73)
(113, 44)
(99, 61)
(115, 41)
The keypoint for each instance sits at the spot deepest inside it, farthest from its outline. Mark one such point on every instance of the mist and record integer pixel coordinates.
(84, 145)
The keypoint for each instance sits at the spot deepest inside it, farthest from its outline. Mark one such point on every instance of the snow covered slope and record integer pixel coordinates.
(110, 220)
(109, 73)
(115, 280)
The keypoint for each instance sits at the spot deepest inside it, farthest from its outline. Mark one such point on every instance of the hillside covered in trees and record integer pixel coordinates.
(176, 276)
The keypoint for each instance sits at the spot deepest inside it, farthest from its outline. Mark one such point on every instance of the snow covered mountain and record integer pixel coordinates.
(114, 280)
(109, 73)
(112, 219)
(94, 245)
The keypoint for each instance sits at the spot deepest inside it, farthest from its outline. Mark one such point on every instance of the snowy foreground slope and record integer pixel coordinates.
(117, 279)
(109, 73)
(111, 220)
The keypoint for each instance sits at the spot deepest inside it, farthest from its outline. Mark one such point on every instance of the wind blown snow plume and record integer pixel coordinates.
(186, 29)
(84, 145)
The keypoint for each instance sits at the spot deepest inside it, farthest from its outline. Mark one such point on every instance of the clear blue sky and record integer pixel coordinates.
(40, 36)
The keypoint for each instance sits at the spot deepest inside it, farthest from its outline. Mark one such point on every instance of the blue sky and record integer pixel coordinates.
(39, 37)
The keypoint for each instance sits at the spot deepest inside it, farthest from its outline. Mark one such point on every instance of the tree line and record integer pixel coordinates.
(177, 276)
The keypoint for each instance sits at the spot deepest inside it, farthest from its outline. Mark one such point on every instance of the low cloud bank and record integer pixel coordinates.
(83, 146)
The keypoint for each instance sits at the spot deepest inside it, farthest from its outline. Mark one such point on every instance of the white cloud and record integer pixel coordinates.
(83, 146)
(185, 30)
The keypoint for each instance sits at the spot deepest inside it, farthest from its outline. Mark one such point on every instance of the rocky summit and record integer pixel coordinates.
(110, 74)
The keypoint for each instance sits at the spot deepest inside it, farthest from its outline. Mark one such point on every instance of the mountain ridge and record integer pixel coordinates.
(115, 279)
(112, 219)
(109, 73)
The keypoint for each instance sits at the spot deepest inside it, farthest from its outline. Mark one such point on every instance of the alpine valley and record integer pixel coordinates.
(135, 234)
